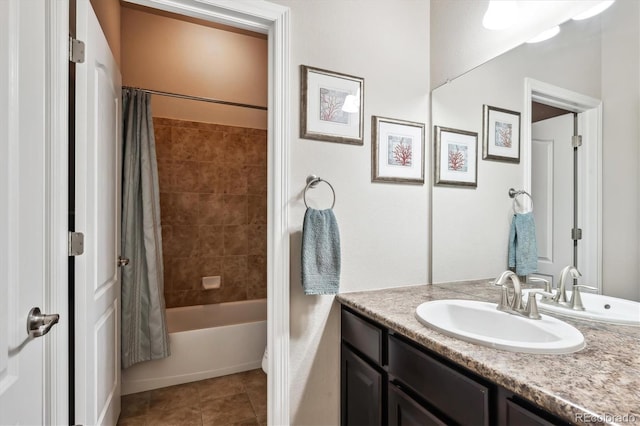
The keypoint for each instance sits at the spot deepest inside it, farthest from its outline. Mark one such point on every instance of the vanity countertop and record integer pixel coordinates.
(598, 385)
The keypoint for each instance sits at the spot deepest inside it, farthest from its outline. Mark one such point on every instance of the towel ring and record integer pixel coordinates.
(514, 194)
(312, 181)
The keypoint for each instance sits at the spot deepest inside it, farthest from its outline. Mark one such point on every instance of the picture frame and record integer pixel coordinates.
(397, 151)
(331, 106)
(501, 134)
(456, 157)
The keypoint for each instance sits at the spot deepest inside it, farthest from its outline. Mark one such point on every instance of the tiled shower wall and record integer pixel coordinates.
(213, 202)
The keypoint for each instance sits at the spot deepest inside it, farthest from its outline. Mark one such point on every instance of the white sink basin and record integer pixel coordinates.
(598, 308)
(482, 323)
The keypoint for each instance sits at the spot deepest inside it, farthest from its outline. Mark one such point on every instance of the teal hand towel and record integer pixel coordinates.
(523, 249)
(320, 252)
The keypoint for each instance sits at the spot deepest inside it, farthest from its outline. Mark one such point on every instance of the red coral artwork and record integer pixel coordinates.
(503, 134)
(457, 158)
(399, 151)
(402, 154)
(331, 102)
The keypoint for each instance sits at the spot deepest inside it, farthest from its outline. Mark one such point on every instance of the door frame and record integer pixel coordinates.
(263, 17)
(590, 174)
(56, 357)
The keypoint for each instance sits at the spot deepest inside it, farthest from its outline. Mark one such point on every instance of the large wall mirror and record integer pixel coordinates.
(590, 75)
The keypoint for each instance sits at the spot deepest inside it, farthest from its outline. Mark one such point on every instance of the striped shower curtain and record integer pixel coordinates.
(144, 329)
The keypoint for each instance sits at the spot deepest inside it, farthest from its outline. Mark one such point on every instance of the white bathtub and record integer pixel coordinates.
(206, 341)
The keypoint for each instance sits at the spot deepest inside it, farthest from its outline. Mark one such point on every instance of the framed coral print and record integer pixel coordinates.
(456, 157)
(331, 106)
(501, 134)
(397, 151)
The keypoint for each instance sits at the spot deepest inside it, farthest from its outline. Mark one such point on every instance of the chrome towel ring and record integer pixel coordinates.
(514, 194)
(312, 181)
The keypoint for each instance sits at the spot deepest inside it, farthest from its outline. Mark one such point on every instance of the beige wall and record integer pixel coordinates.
(162, 53)
(383, 227)
(108, 14)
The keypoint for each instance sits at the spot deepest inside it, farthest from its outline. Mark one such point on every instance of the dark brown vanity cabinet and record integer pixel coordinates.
(386, 379)
(363, 381)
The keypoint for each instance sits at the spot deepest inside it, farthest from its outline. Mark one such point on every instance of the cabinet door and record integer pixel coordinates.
(361, 391)
(520, 416)
(404, 411)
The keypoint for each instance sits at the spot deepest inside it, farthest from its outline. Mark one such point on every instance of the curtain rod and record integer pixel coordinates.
(196, 98)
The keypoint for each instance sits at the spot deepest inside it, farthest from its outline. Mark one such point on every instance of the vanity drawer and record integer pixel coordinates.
(463, 399)
(362, 335)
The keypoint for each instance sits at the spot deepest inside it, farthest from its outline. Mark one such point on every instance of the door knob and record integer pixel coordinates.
(39, 324)
(122, 261)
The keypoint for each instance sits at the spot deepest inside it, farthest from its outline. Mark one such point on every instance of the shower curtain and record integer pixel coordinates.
(144, 329)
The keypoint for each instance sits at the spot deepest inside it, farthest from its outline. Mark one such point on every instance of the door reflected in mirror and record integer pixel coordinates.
(598, 59)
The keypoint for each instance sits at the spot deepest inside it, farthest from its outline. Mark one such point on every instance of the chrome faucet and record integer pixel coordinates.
(560, 298)
(514, 306)
(561, 293)
(505, 304)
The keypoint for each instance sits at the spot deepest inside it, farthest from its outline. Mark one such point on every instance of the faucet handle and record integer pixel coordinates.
(576, 299)
(547, 283)
(531, 310)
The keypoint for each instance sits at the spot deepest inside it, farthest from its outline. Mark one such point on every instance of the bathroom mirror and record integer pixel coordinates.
(597, 58)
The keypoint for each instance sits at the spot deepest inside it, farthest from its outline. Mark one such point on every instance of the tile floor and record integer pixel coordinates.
(238, 399)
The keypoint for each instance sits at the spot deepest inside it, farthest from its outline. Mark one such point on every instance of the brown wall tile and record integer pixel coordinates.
(213, 183)
(184, 242)
(212, 146)
(185, 144)
(235, 209)
(235, 240)
(235, 149)
(257, 209)
(185, 174)
(211, 209)
(256, 180)
(163, 142)
(256, 148)
(257, 239)
(210, 178)
(185, 207)
(211, 240)
(185, 274)
(234, 271)
(235, 180)
(211, 267)
(256, 277)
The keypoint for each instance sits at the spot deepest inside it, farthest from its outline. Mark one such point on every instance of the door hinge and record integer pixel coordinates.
(576, 234)
(76, 50)
(576, 141)
(76, 243)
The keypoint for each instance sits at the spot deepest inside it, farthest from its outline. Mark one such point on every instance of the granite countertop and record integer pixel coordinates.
(598, 385)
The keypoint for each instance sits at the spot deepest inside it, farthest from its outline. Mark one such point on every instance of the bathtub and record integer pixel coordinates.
(206, 341)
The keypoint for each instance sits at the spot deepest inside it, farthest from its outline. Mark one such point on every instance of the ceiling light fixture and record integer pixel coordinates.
(352, 103)
(599, 8)
(545, 35)
(500, 15)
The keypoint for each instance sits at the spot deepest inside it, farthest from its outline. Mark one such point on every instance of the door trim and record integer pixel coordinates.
(590, 213)
(56, 367)
(274, 20)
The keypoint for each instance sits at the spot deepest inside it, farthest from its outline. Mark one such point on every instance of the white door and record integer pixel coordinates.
(97, 192)
(552, 192)
(23, 215)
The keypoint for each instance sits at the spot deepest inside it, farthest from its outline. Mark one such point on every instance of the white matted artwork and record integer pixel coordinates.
(397, 151)
(331, 106)
(501, 134)
(456, 157)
